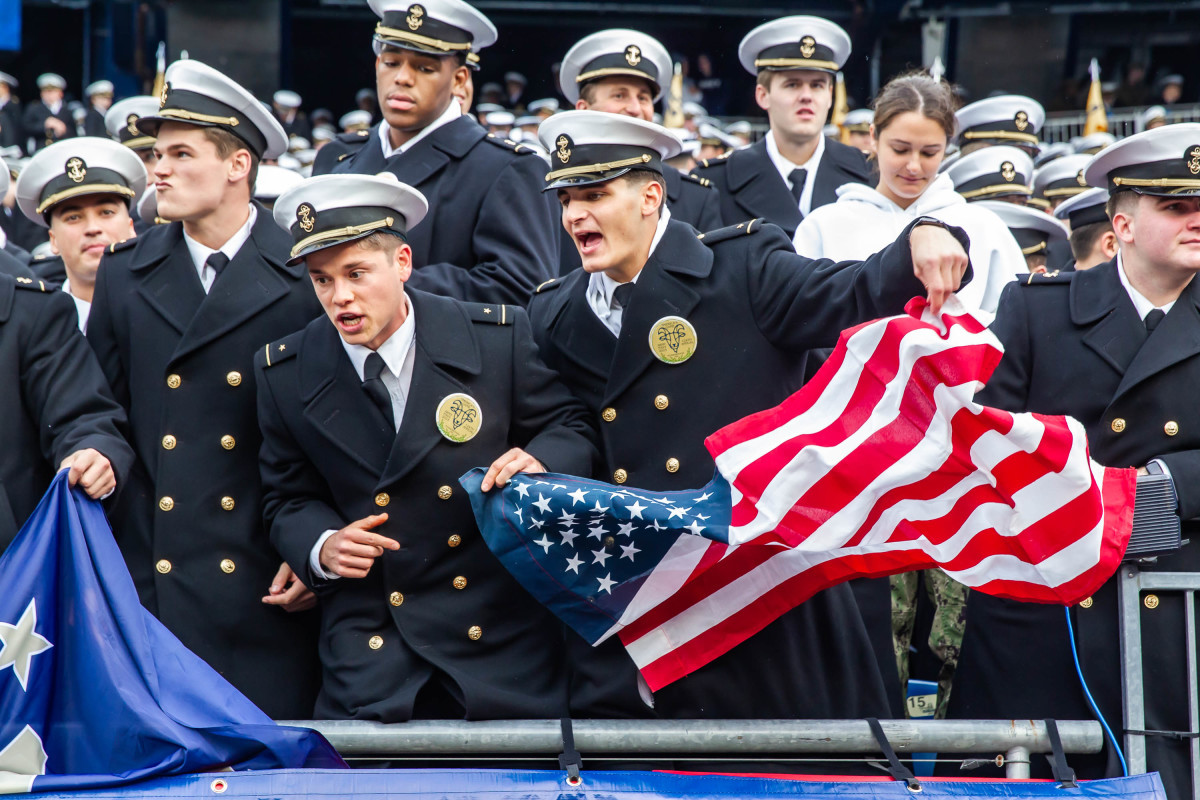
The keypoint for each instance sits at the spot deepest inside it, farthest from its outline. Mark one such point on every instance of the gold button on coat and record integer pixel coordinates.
(672, 465)
(228, 442)
(474, 633)
(396, 599)
(382, 499)
(1118, 425)
(169, 442)
(166, 503)
(163, 566)
(1151, 601)
(445, 492)
(227, 566)
(227, 503)
(460, 582)
(375, 642)
(1171, 428)
(620, 476)
(661, 402)
(234, 378)
(1086, 602)
(455, 540)
(608, 414)
(174, 381)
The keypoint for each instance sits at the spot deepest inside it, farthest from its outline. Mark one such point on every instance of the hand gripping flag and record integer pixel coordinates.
(94, 691)
(881, 464)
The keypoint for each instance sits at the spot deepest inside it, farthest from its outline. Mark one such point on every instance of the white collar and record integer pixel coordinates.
(1140, 301)
(393, 351)
(785, 166)
(233, 244)
(453, 111)
(601, 286)
(83, 307)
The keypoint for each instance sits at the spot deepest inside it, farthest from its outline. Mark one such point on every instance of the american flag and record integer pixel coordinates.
(883, 463)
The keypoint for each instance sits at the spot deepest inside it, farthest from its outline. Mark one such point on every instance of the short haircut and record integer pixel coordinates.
(386, 241)
(227, 144)
(1084, 238)
(1120, 202)
(587, 92)
(459, 56)
(764, 76)
(640, 177)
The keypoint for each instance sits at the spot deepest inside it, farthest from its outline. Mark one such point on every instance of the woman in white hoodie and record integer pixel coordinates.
(914, 120)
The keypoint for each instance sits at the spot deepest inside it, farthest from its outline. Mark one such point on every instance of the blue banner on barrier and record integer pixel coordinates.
(536, 785)
(10, 24)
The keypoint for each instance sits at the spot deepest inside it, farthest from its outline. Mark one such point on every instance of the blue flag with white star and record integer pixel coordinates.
(94, 691)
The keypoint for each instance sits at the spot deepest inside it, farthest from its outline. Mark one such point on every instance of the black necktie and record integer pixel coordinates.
(798, 176)
(218, 261)
(1153, 318)
(621, 294)
(373, 386)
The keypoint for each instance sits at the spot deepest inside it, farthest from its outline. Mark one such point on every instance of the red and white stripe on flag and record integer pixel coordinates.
(883, 463)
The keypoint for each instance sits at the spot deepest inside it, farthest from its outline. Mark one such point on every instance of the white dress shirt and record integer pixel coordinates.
(785, 168)
(601, 286)
(200, 253)
(397, 353)
(82, 306)
(452, 112)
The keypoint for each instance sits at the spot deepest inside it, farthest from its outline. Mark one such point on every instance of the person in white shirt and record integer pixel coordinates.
(914, 120)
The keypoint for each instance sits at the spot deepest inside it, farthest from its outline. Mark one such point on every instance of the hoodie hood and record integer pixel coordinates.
(940, 194)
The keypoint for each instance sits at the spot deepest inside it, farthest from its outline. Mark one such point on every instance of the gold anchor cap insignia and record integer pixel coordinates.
(1008, 171)
(1192, 157)
(1021, 120)
(416, 16)
(564, 148)
(633, 55)
(307, 217)
(131, 124)
(1080, 179)
(808, 46)
(76, 169)
(162, 96)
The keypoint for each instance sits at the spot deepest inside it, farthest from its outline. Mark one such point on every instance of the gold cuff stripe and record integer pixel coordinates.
(1011, 135)
(600, 73)
(1036, 248)
(605, 167)
(85, 188)
(406, 36)
(140, 141)
(339, 233)
(1068, 191)
(1007, 188)
(267, 352)
(798, 63)
(192, 116)
(1169, 183)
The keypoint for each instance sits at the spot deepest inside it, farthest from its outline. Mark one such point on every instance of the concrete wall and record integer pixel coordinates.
(239, 37)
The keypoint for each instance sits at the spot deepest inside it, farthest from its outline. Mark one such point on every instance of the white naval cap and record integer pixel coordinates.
(1160, 161)
(1034, 230)
(545, 104)
(121, 120)
(1150, 115)
(1084, 208)
(1005, 119)
(488, 108)
(992, 172)
(330, 210)
(98, 87)
(1094, 142)
(273, 181)
(5, 177)
(527, 121)
(741, 126)
(1050, 152)
(357, 120)
(616, 51)
(323, 133)
(9, 79)
(588, 147)
(438, 27)
(196, 94)
(799, 42)
(859, 120)
(51, 80)
(715, 137)
(1061, 178)
(286, 98)
(75, 167)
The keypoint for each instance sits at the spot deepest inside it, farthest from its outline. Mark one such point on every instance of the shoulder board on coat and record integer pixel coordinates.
(125, 244)
(490, 313)
(34, 284)
(691, 177)
(509, 144)
(716, 160)
(553, 283)
(1057, 277)
(354, 137)
(276, 353)
(731, 231)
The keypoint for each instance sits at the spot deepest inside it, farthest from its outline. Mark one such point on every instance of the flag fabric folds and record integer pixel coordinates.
(94, 691)
(882, 463)
(1097, 117)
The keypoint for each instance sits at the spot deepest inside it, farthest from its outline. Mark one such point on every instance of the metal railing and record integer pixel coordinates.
(1122, 122)
(1012, 741)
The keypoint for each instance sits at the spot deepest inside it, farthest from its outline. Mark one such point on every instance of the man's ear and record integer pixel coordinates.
(1109, 245)
(652, 198)
(760, 96)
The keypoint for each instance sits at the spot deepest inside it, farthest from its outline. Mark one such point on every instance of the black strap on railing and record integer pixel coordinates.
(1063, 774)
(1177, 735)
(569, 759)
(897, 770)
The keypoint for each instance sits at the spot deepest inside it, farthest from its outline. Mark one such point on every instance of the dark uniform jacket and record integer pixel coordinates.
(93, 123)
(53, 398)
(441, 609)
(491, 235)
(750, 186)
(189, 523)
(1073, 344)
(757, 307)
(11, 131)
(34, 123)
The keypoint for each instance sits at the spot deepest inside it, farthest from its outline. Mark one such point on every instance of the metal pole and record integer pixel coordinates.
(1016, 763)
(699, 737)
(1129, 598)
